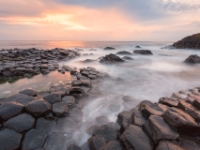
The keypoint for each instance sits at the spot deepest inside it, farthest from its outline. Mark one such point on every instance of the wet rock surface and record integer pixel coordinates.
(124, 53)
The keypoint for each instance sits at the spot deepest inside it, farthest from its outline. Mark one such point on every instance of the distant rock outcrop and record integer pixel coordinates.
(192, 42)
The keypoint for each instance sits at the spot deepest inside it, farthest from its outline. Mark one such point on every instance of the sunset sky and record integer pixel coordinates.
(132, 20)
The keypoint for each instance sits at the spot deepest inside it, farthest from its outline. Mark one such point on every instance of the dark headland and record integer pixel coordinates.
(192, 42)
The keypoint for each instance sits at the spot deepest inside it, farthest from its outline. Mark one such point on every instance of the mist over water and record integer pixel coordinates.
(145, 77)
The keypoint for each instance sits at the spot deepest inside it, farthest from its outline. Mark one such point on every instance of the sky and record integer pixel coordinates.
(100, 20)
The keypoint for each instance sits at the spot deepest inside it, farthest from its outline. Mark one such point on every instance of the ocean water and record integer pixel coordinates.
(145, 78)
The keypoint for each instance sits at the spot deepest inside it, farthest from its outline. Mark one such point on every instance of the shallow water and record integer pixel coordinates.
(146, 77)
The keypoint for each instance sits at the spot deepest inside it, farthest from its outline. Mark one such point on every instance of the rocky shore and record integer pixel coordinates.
(18, 63)
(192, 42)
(46, 120)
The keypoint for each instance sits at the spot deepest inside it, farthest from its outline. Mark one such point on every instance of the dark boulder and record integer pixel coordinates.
(20, 123)
(34, 139)
(10, 109)
(96, 142)
(29, 92)
(148, 108)
(124, 53)
(137, 47)
(9, 139)
(38, 107)
(73, 147)
(143, 52)
(161, 130)
(112, 145)
(91, 129)
(192, 59)
(108, 132)
(111, 58)
(53, 97)
(45, 125)
(109, 48)
(189, 143)
(78, 91)
(60, 108)
(135, 138)
(167, 145)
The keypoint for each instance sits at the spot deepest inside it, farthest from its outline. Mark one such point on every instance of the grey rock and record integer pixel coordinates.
(69, 100)
(96, 142)
(38, 107)
(53, 97)
(143, 52)
(100, 120)
(9, 139)
(33, 139)
(137, 118)
(10, 109)
(60, 108)
(76, 115)
(20, 123)
(66, 125)
(112, 145)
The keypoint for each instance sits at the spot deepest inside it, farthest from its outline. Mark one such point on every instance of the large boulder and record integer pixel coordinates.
(137, 117)
(135, 138)
(161, 130)
(193, 59)
(96, 142)
(38, 107)
(143, 52)
(34, 139)
(20, 123)
(111, 58)
(9, 139)
(10, 109)
(124, 119)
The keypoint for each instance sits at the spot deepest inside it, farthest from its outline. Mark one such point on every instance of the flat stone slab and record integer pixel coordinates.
(9, 139)
(69, 100)
(60, 108)
(53, 98)
(38, 107)
(33, 139)
(161, 130)
(135, 138)
(76, 115)
(66, 125)
(20, 98)
(45, 126)
(29, 92)
(10, 109)
(20, 123)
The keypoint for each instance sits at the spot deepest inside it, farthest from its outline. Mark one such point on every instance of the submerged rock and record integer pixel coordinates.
(109, 48)
(124, 53)
(127, 58)
(29, 92)
(111, 58)
(96, 142)
(143, 52)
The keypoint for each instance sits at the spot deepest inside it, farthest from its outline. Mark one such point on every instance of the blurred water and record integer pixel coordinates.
(146, 77)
